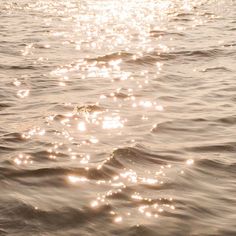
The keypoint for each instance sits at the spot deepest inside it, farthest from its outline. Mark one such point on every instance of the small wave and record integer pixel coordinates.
(6, 149)
(130, 154)
(180, 125)
(229, 120)
(182, 18)
(183, 14)
(88, 108)
(43, 155)
(125, 157)
(230, 45)
(55, 175)
(158, 33)
(3, 232)
(13, 137)
(152, 58)
(216, 165)
(17, 67)
(119, 95)
(79, 111)
(217, 169)
(4, 105)
(17, 214)
(112, 56)
(137, 230)
(218, 148)
(217, 68)
(200, 53)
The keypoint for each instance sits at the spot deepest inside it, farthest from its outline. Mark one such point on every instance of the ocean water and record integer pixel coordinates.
(117, 117)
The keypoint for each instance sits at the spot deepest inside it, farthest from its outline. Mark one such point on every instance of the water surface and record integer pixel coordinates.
(117, 117)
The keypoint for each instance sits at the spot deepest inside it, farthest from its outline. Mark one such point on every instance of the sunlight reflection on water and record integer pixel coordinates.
(108, 100)
(92, 124)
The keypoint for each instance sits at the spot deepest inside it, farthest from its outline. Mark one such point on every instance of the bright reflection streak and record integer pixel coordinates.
(189, 162)
(85, 160)
(112, 122)
(136, 196)
(130, 175)
(81, 126)
(146, 104)
(36, 131)
(23, 93)
(27, 49)
(17, 82)
(93, 140)
(118, 219)
(131, 37)
(23, 160)
(63, 84)
(159, 108)
(94, 204)
(148, 214)
(149, 181)
(115, 62)
(75, 179)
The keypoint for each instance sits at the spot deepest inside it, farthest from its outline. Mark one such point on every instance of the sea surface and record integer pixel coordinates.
(118, 118)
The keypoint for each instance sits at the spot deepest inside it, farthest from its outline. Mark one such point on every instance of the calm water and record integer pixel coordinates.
(117, 117)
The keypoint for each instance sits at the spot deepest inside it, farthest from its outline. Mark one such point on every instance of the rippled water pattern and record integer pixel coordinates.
(117, 117)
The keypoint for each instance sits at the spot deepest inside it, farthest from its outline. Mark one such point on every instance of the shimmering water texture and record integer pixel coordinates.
(117, 117)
